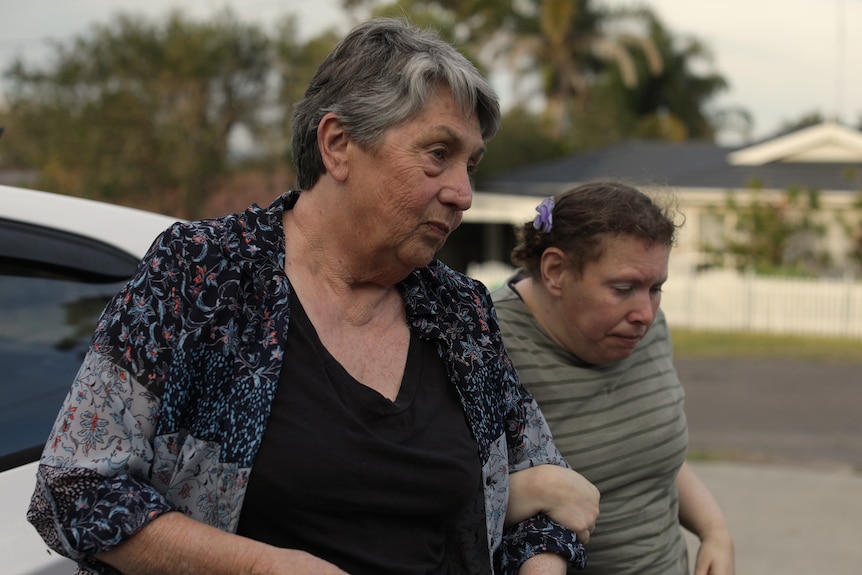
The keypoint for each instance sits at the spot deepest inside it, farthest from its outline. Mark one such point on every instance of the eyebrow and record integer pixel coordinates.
(455, 136)
(635, 279)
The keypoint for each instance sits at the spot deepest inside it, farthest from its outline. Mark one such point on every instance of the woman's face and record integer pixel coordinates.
(409, 193)
(607, 311)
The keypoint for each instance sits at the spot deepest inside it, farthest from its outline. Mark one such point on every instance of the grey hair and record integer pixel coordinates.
(379, 76)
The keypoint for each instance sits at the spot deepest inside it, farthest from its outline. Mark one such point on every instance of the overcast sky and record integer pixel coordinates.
(782, 58)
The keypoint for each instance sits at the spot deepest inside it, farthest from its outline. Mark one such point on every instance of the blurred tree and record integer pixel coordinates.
(671, 104)
(804, 121)
(520, 142)
(574, 47)
(138, 108)
(295, 63)
(854, 231)
(850, 221)
(777, 235)
(736, 121)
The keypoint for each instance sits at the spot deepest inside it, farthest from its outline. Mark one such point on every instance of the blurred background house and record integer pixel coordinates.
(770, 241)
(811, 178)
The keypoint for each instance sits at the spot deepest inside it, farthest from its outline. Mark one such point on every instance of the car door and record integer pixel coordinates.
(53, 287)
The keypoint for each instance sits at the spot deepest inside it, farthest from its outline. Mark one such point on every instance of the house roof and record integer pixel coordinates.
(827, 156)
(827, 142)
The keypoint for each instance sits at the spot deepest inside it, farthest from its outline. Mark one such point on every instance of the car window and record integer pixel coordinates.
(53, 288)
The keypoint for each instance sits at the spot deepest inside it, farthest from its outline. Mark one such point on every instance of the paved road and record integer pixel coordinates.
(786, 438)
(778, 411)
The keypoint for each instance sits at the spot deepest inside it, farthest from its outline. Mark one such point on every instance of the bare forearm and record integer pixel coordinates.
(698, 510)
(700, 513)
(174, 543)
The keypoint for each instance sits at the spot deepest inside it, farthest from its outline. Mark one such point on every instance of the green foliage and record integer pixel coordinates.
(670, 104)
(804, 121)
(570, 45)
(851, 223)
(295, 63)
(776, 235)
(138, 108)
(520, 142)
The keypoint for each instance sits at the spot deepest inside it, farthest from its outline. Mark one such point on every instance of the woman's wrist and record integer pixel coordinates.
(718, 531)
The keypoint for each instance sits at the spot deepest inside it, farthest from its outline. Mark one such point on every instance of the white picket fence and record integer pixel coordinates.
(728, 301)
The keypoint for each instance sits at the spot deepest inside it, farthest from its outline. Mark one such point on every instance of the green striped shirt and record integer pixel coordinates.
(623, 427)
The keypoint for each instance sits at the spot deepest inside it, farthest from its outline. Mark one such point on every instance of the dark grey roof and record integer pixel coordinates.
(674, 164)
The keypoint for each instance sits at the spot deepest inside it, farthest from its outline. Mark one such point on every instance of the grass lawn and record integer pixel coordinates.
(698, 344)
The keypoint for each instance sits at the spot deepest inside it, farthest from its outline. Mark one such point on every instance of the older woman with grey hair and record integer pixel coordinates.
(304, 388)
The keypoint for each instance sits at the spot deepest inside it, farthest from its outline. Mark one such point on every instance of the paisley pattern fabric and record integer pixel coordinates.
(169, 407)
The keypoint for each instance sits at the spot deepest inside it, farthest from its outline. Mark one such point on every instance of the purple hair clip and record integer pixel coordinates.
(544, 220)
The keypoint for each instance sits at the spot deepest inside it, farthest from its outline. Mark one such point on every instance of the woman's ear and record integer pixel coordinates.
(332, 141)
(552, 266)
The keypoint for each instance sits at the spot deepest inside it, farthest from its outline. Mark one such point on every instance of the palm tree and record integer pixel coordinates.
(569, 44)
(677, 95)
(574, 48)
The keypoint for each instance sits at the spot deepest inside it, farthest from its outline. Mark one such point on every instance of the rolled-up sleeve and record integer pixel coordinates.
(539, 534)
(94, 486)
(167, 410)
(92, 490)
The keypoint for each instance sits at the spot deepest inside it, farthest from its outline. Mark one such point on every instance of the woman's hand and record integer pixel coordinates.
(561, 493)
(715, 555)
(699, 513)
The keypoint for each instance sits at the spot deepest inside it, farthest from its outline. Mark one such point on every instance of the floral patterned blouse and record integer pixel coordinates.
(169, 407)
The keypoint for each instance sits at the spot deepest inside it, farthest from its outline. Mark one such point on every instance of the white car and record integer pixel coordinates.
(61, 259)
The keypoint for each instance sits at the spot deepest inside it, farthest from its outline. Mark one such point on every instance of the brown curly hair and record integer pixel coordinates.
(586, 214)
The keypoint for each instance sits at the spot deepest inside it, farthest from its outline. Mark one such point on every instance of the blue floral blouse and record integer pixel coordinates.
(169, 407)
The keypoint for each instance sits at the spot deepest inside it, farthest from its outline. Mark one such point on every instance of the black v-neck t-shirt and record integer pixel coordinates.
(354, 478)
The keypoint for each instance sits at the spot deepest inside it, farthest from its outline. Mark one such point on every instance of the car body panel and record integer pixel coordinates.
(127, 228)
(83, 231)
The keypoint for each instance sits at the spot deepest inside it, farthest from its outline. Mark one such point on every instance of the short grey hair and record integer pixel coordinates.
(381, 75)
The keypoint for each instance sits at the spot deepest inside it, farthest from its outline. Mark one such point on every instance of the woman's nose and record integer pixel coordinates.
(645, 309)
(458, 190)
